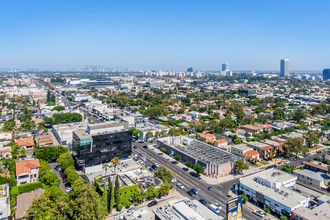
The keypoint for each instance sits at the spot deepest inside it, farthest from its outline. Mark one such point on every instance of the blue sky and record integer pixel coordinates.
(155, 34)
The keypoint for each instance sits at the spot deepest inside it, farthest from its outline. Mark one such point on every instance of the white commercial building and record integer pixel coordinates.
(270, 189)
(63, 132)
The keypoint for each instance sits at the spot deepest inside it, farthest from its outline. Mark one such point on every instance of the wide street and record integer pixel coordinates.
(217, 194)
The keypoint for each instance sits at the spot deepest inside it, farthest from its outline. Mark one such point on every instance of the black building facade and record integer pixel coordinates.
(100, 148)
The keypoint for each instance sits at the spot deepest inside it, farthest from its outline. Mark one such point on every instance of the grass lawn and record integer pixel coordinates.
(264, 162)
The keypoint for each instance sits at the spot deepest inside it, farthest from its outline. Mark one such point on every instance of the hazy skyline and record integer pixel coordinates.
(142, 35)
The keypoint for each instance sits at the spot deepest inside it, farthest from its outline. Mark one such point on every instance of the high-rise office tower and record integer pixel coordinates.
(190, 70)
(326, 74)
(225, 67)
(284, 68)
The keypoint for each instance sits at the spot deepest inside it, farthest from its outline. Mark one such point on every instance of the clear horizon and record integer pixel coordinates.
(169, 35)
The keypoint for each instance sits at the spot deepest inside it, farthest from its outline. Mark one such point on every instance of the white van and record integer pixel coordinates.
(215, 208)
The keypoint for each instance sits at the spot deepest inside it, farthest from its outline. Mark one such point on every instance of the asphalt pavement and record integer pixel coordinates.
(218, 193)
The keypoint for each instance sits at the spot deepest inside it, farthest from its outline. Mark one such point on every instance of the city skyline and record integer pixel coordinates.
(164, 36)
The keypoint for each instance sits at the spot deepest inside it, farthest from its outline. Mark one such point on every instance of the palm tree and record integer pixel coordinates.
(105, 167)
(115, 161)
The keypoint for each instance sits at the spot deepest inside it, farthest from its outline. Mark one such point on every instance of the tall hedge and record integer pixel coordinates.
(28, 187)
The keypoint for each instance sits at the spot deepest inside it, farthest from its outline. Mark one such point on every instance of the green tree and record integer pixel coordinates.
(65, 160)
(278, 114)
(198, 168)
(72, 177)
(177, 157)
(294, 145)
(239, 166)
(117, 196)
(188, 163)
(58, 108)
(152, 192)
(105, 196)
(111, 195)
(298, 115)
(164, 174)
(165, 188)
(311, 138)
(85, 202)
(139, 195)
(50, 179)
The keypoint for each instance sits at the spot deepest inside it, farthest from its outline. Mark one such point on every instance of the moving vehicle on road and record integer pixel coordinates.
(174, 162)
(194, 190)
(203, 201)
(154, 167)
(180, 185)
(191, 193)
(210, 188)
(151, 170)
(259, 213)
(154, 202)
(214, 208)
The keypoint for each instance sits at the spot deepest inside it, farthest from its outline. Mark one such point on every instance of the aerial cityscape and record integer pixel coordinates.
(165, 110)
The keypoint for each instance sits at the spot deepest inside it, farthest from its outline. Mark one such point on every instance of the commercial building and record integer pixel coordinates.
(63, 132)
(284, 68)
(321, 211)
(326, 74)
(270, 188)
(182, 209)
(27, 171)
(101, 142)
(225, 67)
(4, 202)
(217, 162)
(316, 166)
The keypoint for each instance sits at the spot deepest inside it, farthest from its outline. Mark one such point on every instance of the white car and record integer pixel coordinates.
(68, 190)
(259, 213)
(268, 219)
(180, 185)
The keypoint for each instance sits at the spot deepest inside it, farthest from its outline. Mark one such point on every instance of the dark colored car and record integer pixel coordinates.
(145, 146)
(154, 167)
(160, 153)
(154, 202)
(203, 201)
(134, 147)
(67, 184)
(194, 174)
(185, 169)
(194, 190)
(210, 188)
(191, 193)
(174, 162)
(151, 170)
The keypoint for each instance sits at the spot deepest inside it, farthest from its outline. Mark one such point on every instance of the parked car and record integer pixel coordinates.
(180, 185)
(68, 190)
(154, 202)
(268, 219)
(319, 152)
(194, 174)
(145, 146)
(134, 147)
(151, 170)
(210, 188)
(297, 190)
(271, 166)
(185, 169)
(147, 166)
(259, 213)
(157, 165)
(174, 162)
(67, 184)
(154, 167)
(64, 180)
(203, 201)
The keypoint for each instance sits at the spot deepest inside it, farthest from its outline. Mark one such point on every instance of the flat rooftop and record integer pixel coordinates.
(199, 150)
(183, 209)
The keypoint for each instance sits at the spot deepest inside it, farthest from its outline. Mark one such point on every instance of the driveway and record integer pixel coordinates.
(52, 168)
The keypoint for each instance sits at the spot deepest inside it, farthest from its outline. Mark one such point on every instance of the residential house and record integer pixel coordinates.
(316, 166)
(221, 143)
(265, 150)
(207, 137)
(256, 129)
(244, 151)
(27, 171)
(314, 179)
(44, 140)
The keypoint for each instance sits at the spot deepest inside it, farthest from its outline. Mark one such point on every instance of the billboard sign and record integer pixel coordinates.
(234, 208)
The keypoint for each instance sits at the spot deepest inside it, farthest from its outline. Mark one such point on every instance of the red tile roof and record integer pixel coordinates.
(25, 166)
(25, 142)
(267, 148)
(251, 153)
(221, 141)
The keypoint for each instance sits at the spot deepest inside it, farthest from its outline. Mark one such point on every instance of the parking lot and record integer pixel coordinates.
(52, 168)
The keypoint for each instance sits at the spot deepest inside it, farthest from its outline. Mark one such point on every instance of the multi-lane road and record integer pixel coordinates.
(217, 194)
